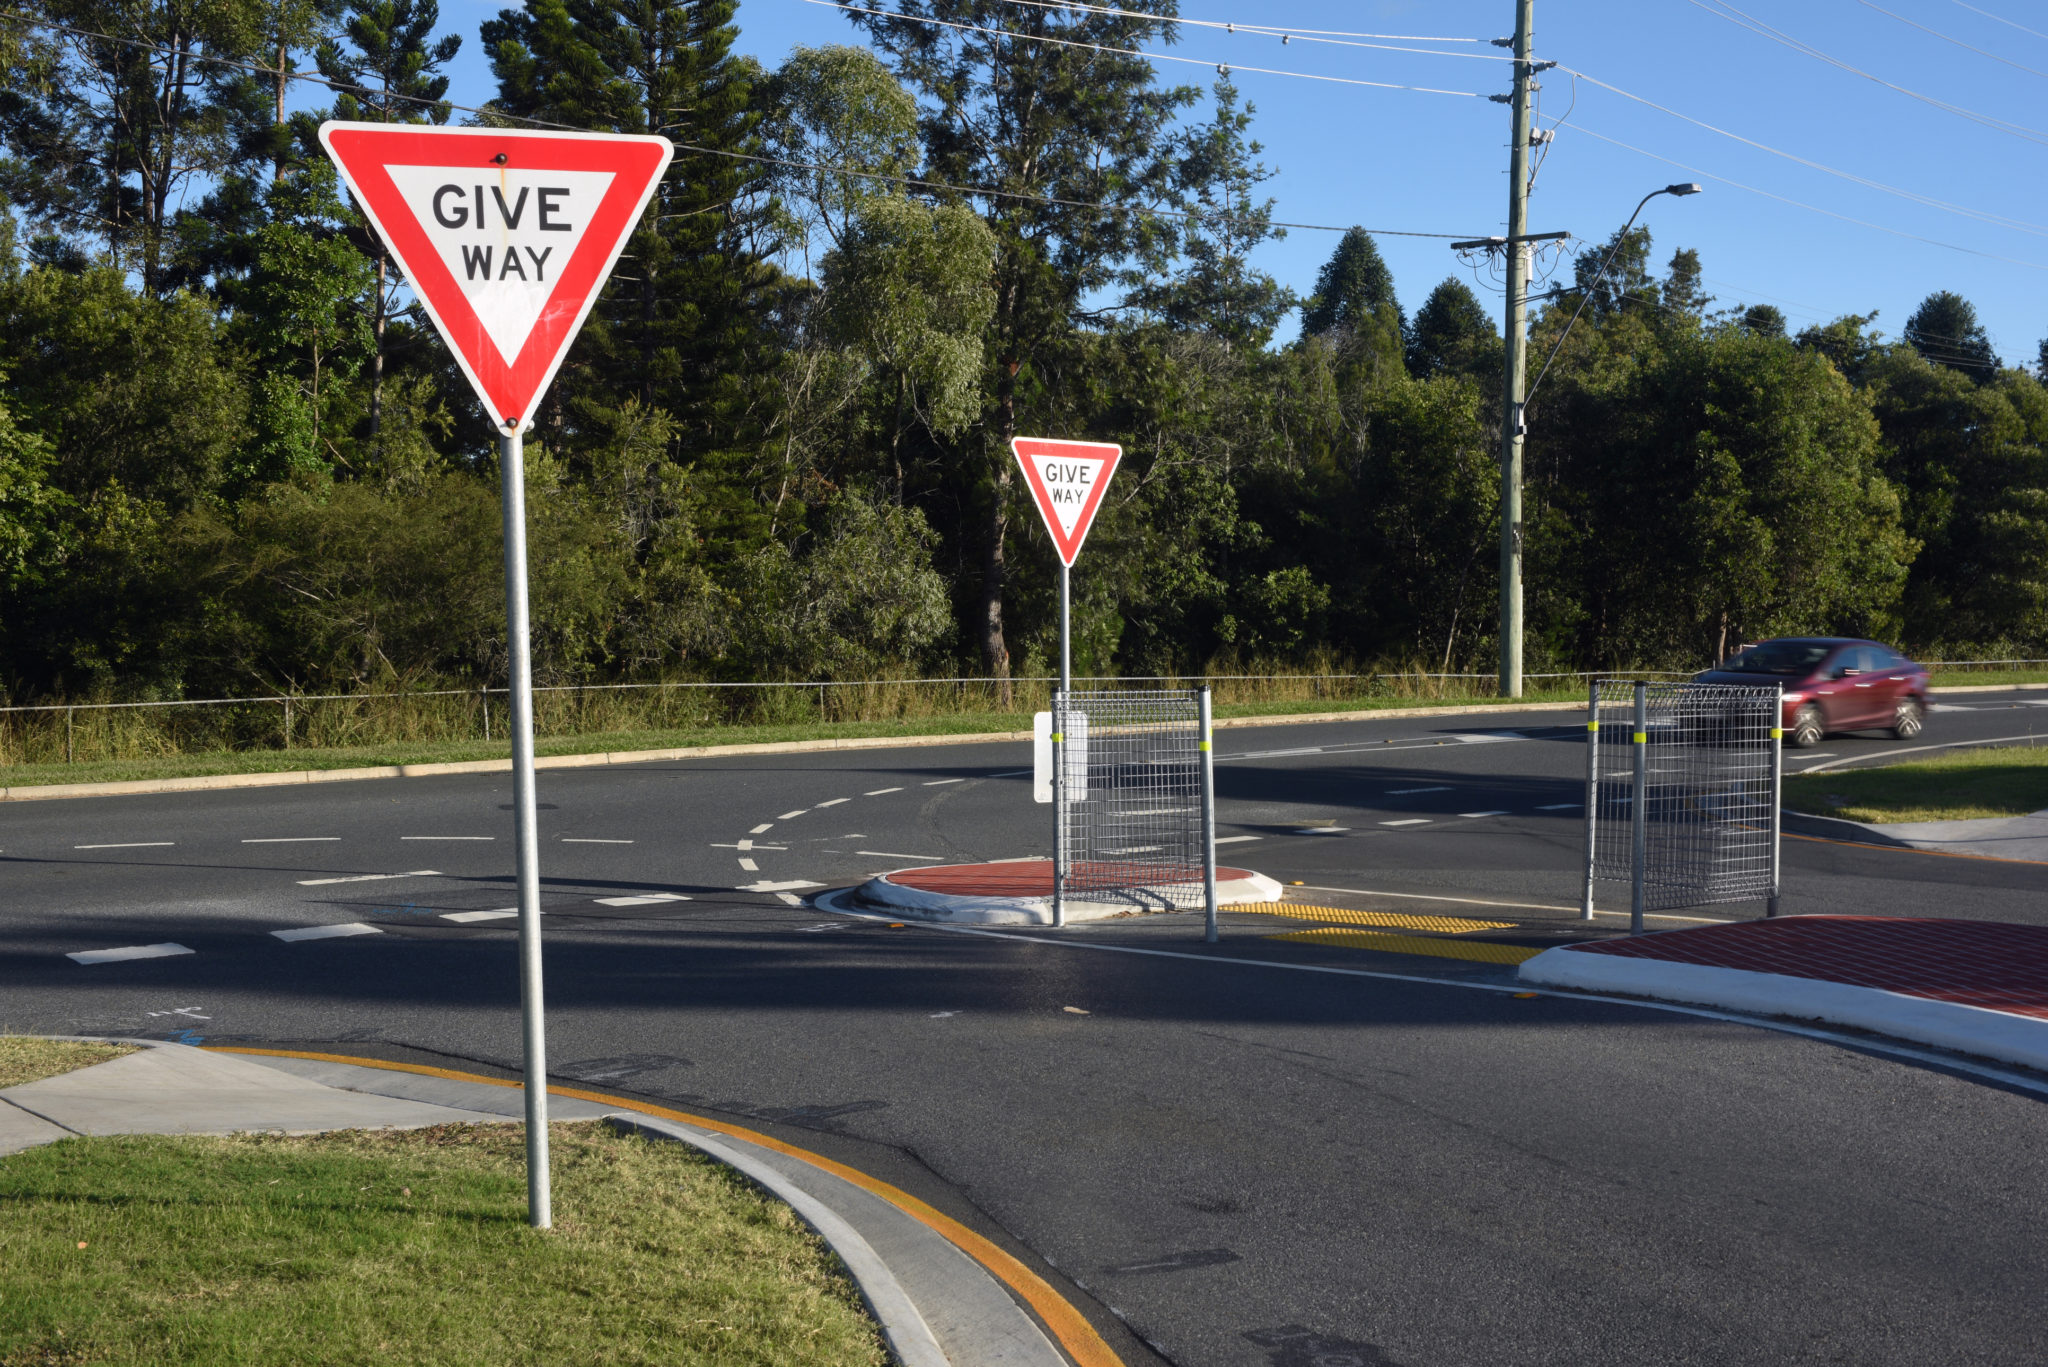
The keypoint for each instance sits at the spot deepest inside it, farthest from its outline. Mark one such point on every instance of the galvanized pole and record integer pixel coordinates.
(1592, 796)
(1208, 762)
(1639, 813)
(1062, 704)
(1777, 791)
(1512, 424)
(512, 479)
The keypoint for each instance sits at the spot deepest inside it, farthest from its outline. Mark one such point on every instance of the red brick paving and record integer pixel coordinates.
(1991, 964)
(1018, 878)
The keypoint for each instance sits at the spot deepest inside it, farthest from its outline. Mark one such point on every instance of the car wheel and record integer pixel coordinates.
(1908, 719)
(1806, 727)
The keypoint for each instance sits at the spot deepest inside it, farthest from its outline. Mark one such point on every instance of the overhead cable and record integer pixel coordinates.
(2007, 22)
(1330, 37)
(1936, 33)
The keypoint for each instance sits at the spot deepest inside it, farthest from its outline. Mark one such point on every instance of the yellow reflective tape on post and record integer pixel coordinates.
(1058, 738)
(1205, 745)
(1592, 726)
(1777, 733)
(1642, 738)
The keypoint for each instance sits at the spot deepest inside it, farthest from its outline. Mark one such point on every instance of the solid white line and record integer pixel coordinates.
(1472, 816)
(1404, 792)
(941, 782)
(833, 802)
(890, 854)
(790, 816)
(368, 878)
(326, 932)
(1137, 849)
(115, 956)
(1411, 821)
(760, 828)
(591, 840)
(131, 845)
(1019, 773)
(1560, 806)
(644, 899)
(879, 791)
(786, 885)
(1862, 1042)
(1237, 839)
(290, 839)
(465, 917)
(749, 865)
(447, 837)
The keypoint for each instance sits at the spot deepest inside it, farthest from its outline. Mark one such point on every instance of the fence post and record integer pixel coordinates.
(483, 697)
(1059, 807)
(67, 733)
(1208, 762)
(287, 722)
(1639, 813)
(1592, 796)
(1777, 792)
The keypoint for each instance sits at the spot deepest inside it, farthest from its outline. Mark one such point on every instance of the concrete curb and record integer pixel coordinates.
(1998, 1035)
(36, 792)
(880, 893)
(1837, 828)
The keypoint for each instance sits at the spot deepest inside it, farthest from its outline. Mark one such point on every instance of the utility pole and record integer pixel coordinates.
(1512, 425)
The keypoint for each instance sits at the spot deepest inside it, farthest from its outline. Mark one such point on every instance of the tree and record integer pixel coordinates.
(1453, 335)
(838, 106)
(1353, 288)
(1945, 330)
(1765, 320)
(1683, 293)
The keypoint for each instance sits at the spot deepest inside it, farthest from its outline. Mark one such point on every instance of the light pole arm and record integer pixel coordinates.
(1620, 241)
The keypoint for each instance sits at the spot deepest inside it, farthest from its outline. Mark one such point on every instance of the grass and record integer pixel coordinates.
(1960, 786)
(408, 1246)
(24, 1058)
(445, 751)
(1962, 678)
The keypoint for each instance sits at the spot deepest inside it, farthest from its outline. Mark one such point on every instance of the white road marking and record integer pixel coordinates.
(879, 791)
(591, 840)
(1275, 754)
(466, 917)
(941, 1015)
(115, 956)
(645, 899)
(941, 782)
(1473, 816)
(760, 828)
(290, 839)
(326, 932)
(1322, 830)
(1019, 773)
(833, 802)
(1411, 821)
(891, 854)
(190, 1012)
(368, 878)
(787, 885)
(1237, 839)
(791, 898)
(1137, 849)
(1405, 792)
(447, 837)
(744, 845)
(1487, 738)
(749, 865)
(1561, 807)
(790, 816)
(130, 845)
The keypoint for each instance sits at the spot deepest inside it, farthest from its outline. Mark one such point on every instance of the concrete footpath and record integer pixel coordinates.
(944, 1296)
(1975, 987)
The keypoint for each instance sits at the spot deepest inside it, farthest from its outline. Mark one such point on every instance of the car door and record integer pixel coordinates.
(1836, 693)
(1869, 690)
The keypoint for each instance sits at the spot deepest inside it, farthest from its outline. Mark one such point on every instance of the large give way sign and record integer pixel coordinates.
(505, 235)
(1067, 480)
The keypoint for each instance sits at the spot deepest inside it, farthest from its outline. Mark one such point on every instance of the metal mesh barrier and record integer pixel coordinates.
(1130, 822)
(1682, 793)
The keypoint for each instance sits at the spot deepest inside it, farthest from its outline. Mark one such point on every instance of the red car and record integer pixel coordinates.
(1833, 684)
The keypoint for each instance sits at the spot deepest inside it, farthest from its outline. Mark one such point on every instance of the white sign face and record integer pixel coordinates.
(1067, 480)
(505, 236)
(1075, 749)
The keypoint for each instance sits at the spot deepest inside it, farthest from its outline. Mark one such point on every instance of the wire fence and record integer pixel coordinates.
(1131, 811)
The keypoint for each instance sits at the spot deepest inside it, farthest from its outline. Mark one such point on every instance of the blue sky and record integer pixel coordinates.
(1402, 159)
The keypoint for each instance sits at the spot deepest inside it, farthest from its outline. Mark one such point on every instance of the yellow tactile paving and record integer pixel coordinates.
(1478, 952)
(1396, 920)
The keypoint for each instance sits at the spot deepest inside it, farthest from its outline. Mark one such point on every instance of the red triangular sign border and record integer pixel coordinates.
(510, 391)
(1025, 448)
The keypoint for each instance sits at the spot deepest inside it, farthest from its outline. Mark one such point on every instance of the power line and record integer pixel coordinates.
(1285, 35)
(1224, 68)
(1757, 26)
(2007, 22)
(2031, 71)
(1914, 196)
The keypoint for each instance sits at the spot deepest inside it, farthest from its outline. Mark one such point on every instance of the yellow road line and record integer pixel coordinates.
(1414, 944)
(1398, 920)
(1068, 1325)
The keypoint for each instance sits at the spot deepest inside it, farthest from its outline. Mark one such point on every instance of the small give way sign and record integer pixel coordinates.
(506, 235)
(1067, 480)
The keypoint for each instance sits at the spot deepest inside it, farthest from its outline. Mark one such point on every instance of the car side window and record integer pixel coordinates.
(1844, 661)
(1868, 659)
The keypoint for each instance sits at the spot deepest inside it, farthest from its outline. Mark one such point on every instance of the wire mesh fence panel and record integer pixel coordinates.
(1708, 788)
(1131, 818)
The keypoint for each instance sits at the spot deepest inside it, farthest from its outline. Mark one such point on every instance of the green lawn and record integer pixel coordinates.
(408, 1247)
(23, 1058)
(1958, 786)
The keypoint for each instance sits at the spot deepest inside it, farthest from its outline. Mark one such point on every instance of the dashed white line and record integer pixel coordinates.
(1404, 792)
(790, 816)
(326, 932)
(791, 898)
(115, 956)
(760, 828)
(1411, 821)
(942, 782)
(466, 917)
(833, 802)
(1237, 839)
(447, 837)
(786, 885)
(879, 791)
(129, 845)
(368, 878)
(591, 840)
(750, 866)
(290, 839)
(645, 899)
(1473, 816)
(891, 854)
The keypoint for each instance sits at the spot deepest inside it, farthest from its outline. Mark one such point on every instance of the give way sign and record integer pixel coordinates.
(1067, 480)
(506, 235)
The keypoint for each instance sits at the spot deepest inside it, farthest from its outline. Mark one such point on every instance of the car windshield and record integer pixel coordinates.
(1780, 657)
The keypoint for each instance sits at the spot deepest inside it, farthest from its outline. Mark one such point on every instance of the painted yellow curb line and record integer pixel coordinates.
(1396, 920)
(1076, 1336)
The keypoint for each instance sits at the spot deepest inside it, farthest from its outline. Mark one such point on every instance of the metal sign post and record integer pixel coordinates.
(506, 236)
(1207, 755)
(1059, 754)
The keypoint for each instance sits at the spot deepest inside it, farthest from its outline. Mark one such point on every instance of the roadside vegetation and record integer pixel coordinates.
(24, 1058)
(408, 1246)
(1958, 786)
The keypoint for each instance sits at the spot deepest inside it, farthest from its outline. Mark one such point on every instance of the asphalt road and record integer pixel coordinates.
(1247, 1157)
